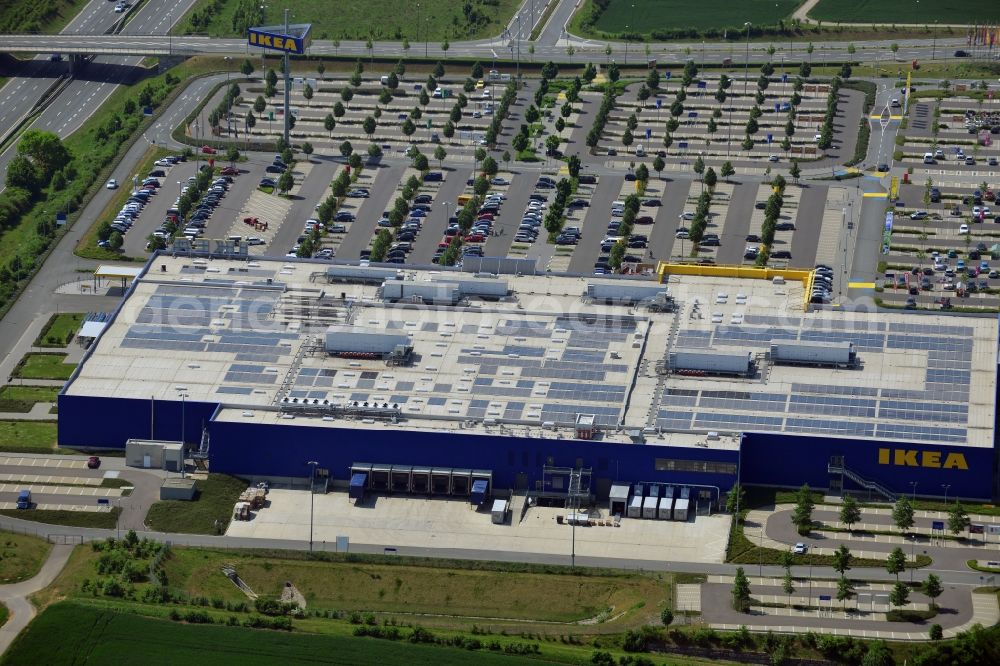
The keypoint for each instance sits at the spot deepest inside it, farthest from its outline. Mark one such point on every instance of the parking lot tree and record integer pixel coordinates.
(681, 95)
(469, 85)
(259, 104)
(616, 255)
(958, 518)
(477, 70)
(573, 164)
(643, 95)
(676, 109)
(895, 563)
(902, 513)
(658, 165)
(246, 67)
(369, 125)
(825, 137)
(932, 589)
(456, 114)
(720, 96)
(408, 128)
(551, 144)
(355, 79)
(672, 126)
(763, 82)
(900, 594)
(354, 161)
(519, 142)
(439, 154)
(115, 241)
(531, 115)
(842, 559)
(741, 591)
(339, 110)
(712, 127)
(727, 170)
(653, 79)
(329, 123)
(285, 181)
(438, 70)
(445, 45)
(711, 178)
(346, 95)
(642, 174)
(550, 70)
(416, 113)
(384, 96)
(788, 586)
(802, 515)
(184, 203)
(779, 183)
(346, 149)
(271, 78)
(431, 84)
(805, 69)
(632, 122)
(589, 72)
(424, 98)
(232, 154)
(560, 124)
(850, 511)
(767, 69)
(307, 93)
(668, 139)
(627, 138)
(699, 166)
(479, 155)
(845, 590)
(480, 186)
(613, 72)
(490, 166)
(286, 157)
(449, 129)
(566, 110)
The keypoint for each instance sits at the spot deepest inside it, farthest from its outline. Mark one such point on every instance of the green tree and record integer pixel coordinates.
(374, 151)
(710, 178)
(490, 166)
(550, 70)
(246, 67)
(307, 93)
(845, 590)
(438, 70)
(958, 518)
(551, 144)
(346, 95)
(448, 130)
(727, 170)
(354, 160)
(902, 514)
(573, 164)
(393, 82)
(477, 70)
(900, 594)
(842, 559)
(271, 78)
(321, 69)
(850, 512)
(439, 154)
(115, 241)
(741, 591)
(339, 110)
(21, 172)
(932, 589)
(802, 514)
(346, 149)
(408, 128)
(642, 173)
(895, 563)
(424, 98)
(878, 654)
(658, 165)
(285, 181)
(805, 69)
(653, 80)
(400, 69)
(369, 125)
(788, 586)
(45, 150)
(616, 255)
(420, 162)
(329, 123)
(531, 115)
(614, 73)
(666, 617)
(627, 138)
(307, 149)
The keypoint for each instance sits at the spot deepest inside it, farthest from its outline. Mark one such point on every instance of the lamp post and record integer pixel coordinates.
(913, 485)
(626, 45)
(228, 60)
(183, 424)
(946, 486)
(288, 86)
(934, 41)
(913, 545)
(312, 499)
(746, 62)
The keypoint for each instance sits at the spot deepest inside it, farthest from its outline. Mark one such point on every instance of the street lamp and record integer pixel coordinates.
(228, 60)
(946, 486)
(913, 545)
(934, 42)
(746, 62)
(626, 44)
(913, 485)
(312, 500)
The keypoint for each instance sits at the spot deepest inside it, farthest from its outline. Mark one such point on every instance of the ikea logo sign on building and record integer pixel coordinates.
(276, 41)
(913, 458)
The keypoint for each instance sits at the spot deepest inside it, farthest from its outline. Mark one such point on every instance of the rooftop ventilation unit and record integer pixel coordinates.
(795, 352)
(355, 341)
(360, 274)
(624, 292)
(710, 362)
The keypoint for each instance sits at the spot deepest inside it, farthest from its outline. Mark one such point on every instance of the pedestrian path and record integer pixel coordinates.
(75, 491)
(688, 597)
(757, 519)
(48, 478)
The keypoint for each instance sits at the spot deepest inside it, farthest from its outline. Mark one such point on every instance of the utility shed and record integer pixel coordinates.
(623, 291)
(177, 489)
(426, 292)
(803, 352)
(711, 362)
(154, 455)
(360, 274)
(359, 340)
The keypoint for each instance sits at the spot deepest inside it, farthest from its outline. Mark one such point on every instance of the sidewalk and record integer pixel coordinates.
(15, 596)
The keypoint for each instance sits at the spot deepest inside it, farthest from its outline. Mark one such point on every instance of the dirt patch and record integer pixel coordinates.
(289, 594)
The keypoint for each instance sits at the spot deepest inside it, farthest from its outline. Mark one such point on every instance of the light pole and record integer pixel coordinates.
(312, 499)
(934, 41)
(228, 60)
(746, 62)
(288, 88)
(913, 485)
(626, 45)
(519, 46)
(946, 486)
(913, 545)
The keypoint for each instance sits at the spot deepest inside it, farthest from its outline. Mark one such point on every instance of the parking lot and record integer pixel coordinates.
(454, 524)
(943, 251)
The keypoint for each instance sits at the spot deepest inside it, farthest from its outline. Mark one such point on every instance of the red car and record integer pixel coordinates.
(208, 150)
(93, 462)
(475, 238)
(230, 171)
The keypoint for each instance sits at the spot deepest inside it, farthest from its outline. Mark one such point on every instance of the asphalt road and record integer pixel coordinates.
(370, 210)
(662, 239)
(436, 222)
(808, 224)
(595, 225)
(734, 233)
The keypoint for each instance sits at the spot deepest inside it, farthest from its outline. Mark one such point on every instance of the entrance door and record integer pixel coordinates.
(521, 481)
(147, 461)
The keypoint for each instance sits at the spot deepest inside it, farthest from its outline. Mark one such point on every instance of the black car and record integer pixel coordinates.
(586, 179)
(578, 203)
(538, 197)
(652, 202)
(753, 238)
(760, 205)
(630, 176)
(274, 168)
(781, 254)
(422, 198)
(961, 54)
(433, 176)
(784, 226)
(343, 216)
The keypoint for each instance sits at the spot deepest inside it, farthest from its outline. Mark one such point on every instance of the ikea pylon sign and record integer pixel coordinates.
(294, 41)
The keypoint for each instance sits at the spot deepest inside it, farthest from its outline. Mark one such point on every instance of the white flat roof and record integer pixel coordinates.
(250, 335)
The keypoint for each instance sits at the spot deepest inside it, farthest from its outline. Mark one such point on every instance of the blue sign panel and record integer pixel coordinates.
(692, 114)
(682, 144)
(784, 78)
(659, 102)
(937, 524)
(275, 41)
(824, 597)
(769, 138)
(649, 133)
(702, 85)
(667, 75)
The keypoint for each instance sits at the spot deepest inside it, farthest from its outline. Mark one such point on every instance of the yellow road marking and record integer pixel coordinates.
(861, 285)
(875, 195)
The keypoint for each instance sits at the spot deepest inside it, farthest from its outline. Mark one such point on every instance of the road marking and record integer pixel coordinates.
(860, 285)
(875, 195)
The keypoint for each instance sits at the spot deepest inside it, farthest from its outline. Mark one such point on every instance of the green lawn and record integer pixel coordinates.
(383, 20)
(60, 329)
(30, 16)
(21, 557)
(15, 398)
(906, 11)
(214, 502)
(650, 15)
(28, 436)
(104, 636)
(44, 366)
(103, 520)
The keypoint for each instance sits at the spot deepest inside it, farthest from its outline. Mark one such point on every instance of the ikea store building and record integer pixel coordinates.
(425, 379)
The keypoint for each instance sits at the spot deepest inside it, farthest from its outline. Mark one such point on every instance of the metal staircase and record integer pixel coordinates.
(836, 466)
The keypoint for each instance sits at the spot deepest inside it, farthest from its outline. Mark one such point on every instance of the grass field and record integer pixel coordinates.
(39, 365)
(906, 11)
(21, 557)
(59, 330)
(666, 14)
(14, 398)
(105, 520)
(382, 20)
(103, 636)
(45, 17)
(28, 436)
(345, 585)
(215, 499)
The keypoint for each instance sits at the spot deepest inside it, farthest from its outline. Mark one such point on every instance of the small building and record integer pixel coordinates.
(177, 489)
(154, 455)
(499, 512)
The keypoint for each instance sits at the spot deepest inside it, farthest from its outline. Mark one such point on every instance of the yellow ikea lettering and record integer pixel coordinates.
(955, 461)
(883, 456)
(930, 459)
(906, 457)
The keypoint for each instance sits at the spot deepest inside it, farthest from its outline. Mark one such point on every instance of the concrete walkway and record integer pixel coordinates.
(15, 597)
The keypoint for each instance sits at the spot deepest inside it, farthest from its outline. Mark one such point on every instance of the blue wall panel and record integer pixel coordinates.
(94, 421)
(282, 450)
(803, 459)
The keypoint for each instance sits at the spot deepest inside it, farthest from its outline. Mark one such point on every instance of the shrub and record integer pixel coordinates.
(936, 633)
(666, 617)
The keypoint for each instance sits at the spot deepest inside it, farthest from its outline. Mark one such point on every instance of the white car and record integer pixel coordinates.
(800, 548)
(112, 184)
(486, 93)
(963, 228)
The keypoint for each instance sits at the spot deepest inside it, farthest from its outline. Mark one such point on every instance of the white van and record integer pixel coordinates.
(618, 204)
(384, 80)
(639, 152)
(929, 158)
